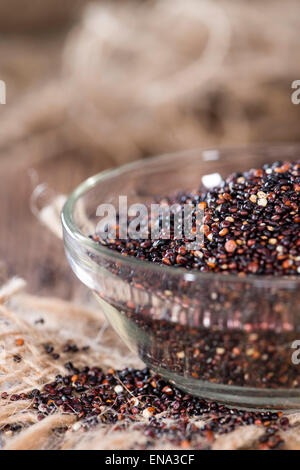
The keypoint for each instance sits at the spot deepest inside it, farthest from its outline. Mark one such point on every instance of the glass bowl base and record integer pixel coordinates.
(234, 396)
(250, 399)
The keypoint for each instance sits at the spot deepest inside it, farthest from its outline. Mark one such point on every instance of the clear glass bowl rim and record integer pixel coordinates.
(78, 237)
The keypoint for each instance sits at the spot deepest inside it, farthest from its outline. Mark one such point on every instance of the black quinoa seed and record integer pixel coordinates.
(17, 358)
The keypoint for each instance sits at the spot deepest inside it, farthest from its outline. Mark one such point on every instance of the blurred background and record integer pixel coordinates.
(91, 85)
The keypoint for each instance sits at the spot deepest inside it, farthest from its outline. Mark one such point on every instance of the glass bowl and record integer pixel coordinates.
(221, 337)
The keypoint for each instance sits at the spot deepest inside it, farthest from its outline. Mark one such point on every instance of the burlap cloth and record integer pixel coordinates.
(223, 77)
(20, 318)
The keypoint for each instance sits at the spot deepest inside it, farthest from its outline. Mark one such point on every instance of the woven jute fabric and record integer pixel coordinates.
(38, 321)
(223, 77)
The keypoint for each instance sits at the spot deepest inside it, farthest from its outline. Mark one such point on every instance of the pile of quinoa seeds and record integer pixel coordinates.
(119, 399)
(251, 226)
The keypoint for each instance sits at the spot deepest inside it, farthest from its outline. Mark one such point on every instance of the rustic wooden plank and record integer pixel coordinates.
(27, 248)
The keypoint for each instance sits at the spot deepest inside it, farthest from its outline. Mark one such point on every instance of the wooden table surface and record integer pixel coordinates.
(27, 248)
